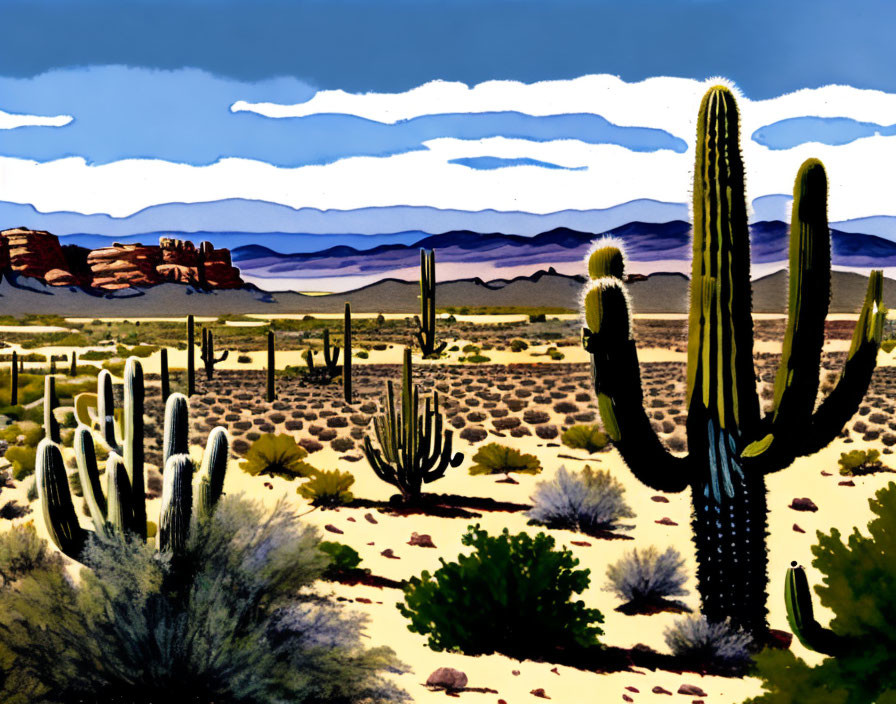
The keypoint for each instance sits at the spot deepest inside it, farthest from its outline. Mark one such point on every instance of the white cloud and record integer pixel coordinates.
(10, 121)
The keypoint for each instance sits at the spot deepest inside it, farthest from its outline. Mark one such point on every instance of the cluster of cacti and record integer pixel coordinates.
(426, 321)
(414, 449)
(271, 392)
(330, 370)
(14, 380)
(731, 445)
(207, 355)
(122, 508)
(191, 356)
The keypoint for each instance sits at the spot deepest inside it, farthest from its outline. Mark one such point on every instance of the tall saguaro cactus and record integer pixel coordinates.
(122, 508)
(14, 380)
(207, 354)
(164, 374)
(414, 450)
(732, 446)
(426, 321)
(347, 362)
(271, 391)
(191, 356)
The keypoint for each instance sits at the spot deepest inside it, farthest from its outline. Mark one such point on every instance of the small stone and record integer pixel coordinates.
(797, 529)
(581, 543)
(447, 678)
(846, 482)
(369, 518)
(627, 698)
(660, 690)
(333, 529)
(825, 474)
(351, 520)
(515, 673)
(422, 541)
(692, 690)
(666, 521)
(363, 600)
(391, 555)
(539, 693)
(555, 671)
(803, 505)
(633, 689)
(659, 499)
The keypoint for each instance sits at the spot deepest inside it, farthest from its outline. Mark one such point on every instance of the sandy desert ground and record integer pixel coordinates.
(524, 400)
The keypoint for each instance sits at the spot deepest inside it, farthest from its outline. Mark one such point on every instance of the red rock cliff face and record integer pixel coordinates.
(39, 255)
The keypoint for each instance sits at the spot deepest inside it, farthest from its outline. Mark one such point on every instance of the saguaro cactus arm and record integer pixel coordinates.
(617, 376)
(85, 455)
(801, 617)
(56, 500)
(177, 503)
(177, 427)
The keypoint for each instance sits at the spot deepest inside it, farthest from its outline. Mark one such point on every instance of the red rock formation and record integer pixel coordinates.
(39, 255)
(35, 253)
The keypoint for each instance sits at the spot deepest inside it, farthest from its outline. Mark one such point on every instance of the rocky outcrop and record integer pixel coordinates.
(39, 255)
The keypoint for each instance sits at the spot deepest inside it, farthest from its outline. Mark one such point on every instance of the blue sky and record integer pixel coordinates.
(767, 46)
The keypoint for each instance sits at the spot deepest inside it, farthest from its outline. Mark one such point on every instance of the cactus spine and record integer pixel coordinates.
(122, 508)
(426, 321)
(271, 392)
(208, 353)
(14, 380)
(347, 363)
(731, 446)
(51, 403)
(191, 356)
(163, 373)
(413, 448)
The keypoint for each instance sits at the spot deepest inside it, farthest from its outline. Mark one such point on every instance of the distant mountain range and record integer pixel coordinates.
(495, 256)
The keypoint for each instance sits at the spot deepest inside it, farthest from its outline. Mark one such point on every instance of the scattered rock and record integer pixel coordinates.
(370, 519)
(333, 529)
(666, 521)
(581, 543)
(692, 690)
(447, 678)
(421, 540)
(633, 689)
(846, 482)
(627, 698)
(797, 529)
(363, 600)
(803, 505)
(391, 555)
(539, 693)
(659, 499)
(660, 690)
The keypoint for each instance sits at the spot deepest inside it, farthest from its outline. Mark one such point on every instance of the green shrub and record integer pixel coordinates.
(888, 345)
(500, 459)
(116, 368)
(97, 355)
(478, 359)
(590, 438)
(243, 628)
(277, 456)
(518, 345)
(537, 318)
(244, 359)
(136, 351)
(328, 488)
(859, 587)
(511, 595)
(342, 557)
(555, 354)
(859, 462)
(362, 354)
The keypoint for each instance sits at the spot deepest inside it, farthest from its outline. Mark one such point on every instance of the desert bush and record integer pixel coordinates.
(590, 438)
(22, 459)
(276, 456)
(244, 359)
(260, 638)
(328, 488)
(647, 577)
(585, 501)
(859, 587)
(500, 459)
(362, 354)
(696, 640)
(511, 595)
(537, 317)
(97, 355)
(518, 345)
(342, 557)
(859, 462)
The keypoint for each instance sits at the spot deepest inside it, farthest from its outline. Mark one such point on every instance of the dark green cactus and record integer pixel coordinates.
(14, 380)
(73, 370)
(271, 392)
(56, 499)
(122, 508)
(731, 445)
(51, 403)
(208, 353)
(413, 448)
(105, 409)
(177, 504)
(176, 438)
(347, 363)
(426, 321)
(801, 616)
(191, 356)
(331, 355)
(163, 373)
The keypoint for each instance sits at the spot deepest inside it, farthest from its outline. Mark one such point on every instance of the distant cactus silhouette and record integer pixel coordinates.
(426, 321)
(731, 446)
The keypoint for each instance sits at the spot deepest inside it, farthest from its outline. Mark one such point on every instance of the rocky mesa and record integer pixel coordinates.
(38, 254)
